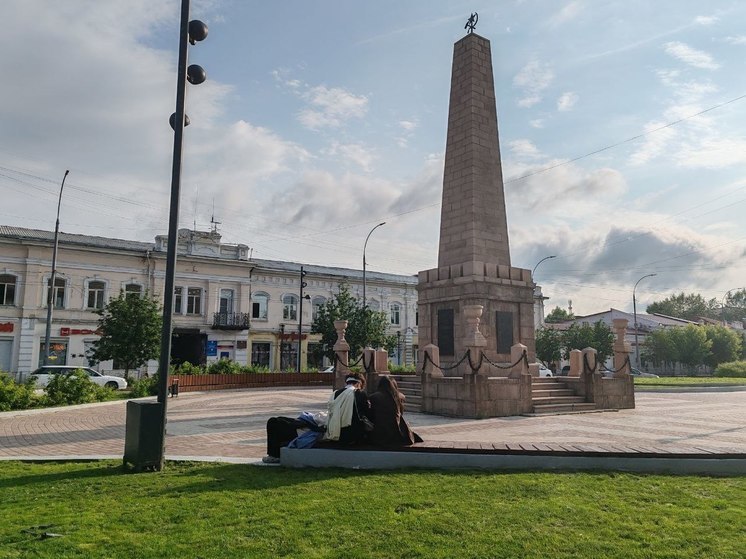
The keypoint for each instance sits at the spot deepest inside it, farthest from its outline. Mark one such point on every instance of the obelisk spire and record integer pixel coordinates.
(473, 223)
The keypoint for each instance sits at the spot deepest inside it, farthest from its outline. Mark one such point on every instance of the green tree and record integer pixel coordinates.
(659, 347)
(688, 307)
(364, 326)
(734, 307)
(558, 314)
(691, 345)
(130, 329)
(726, 345)
(548, 344)
(579, 336)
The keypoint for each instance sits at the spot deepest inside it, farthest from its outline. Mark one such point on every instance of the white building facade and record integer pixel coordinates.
(226, 305)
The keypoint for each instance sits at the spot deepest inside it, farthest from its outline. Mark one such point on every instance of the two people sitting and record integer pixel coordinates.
(353, 418)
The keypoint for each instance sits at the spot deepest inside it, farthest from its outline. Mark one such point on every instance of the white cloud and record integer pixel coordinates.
(533, 79)
(356, 153)
(331, 107)
(654, 144)
(691, 56)
(736, 40)
(408, 125)
(524, 149)
(713, 153)
(567, 101)
(568, 12)
(705, 20)
(536, 123)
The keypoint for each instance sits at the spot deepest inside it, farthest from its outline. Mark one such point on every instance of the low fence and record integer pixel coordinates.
(195, 383)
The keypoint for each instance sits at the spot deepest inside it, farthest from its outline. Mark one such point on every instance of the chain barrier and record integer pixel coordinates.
(523, 357)
(368, 366)
(482, 358)
(427, 358)
(623, 367)
(588, 365)
(357, 361)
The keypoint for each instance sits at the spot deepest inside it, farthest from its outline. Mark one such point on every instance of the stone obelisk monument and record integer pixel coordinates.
(474, 253)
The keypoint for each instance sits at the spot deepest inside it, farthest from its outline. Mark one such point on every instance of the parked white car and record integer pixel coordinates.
(43, 376)
(544, 371)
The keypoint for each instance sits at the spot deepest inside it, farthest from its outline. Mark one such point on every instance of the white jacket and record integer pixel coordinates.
(340, 413)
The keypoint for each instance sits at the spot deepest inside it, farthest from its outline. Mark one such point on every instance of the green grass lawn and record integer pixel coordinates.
(689, 381)
(223, 510)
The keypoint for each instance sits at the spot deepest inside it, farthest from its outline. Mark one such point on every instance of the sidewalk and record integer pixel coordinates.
(230, 426)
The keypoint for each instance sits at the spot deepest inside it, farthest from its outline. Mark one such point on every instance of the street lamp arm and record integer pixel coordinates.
(634, 311)
(539, 262)
(365, 245)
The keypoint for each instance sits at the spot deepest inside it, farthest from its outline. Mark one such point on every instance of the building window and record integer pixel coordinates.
(7, 289)
(133, 290)
(290, 307)
(194, 300)
(178, 291)
(259, 304)
(58, 295)
(226, 300)
(96, 291)
(318, 302)
(395, 312)
(260, 354)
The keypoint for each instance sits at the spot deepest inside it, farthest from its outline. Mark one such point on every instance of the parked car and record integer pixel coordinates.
(565, 371)
(544, 371)
(329, 369)
(43, 376)
(639, 373)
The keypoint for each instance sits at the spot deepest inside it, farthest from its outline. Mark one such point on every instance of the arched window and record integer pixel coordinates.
(317, 303)
(290, 307)
(395, 313)
(95, 296)
(7, 289)
(259, 304)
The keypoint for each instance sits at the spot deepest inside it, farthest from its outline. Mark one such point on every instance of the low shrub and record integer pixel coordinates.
(736, 369)
(75, 388)
(187, 368)
(144, 387)
(224, 367)
(402, 369)
(17, 396)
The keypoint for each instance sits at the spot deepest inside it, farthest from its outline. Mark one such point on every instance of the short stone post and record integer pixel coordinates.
(342, 352)
(429, 356)
(516, 356)
(590, 361)
(576, 363)
(622, 348)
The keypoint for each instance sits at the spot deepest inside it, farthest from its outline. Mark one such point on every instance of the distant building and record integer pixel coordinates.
(226, 304)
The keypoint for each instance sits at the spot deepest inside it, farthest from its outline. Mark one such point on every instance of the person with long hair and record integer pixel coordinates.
(386, 411)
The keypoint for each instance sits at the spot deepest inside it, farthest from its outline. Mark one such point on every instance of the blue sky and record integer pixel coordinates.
(621, 129)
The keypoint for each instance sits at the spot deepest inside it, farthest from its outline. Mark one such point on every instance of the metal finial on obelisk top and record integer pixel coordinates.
(471, 23)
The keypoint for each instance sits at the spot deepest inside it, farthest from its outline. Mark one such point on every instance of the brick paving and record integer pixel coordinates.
(229, 425)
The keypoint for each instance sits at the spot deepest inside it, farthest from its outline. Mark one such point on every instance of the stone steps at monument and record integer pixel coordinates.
(551, 395)
(411, 387)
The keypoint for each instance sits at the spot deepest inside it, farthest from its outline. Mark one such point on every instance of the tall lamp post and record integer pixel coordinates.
(303, 285)
(189, 32)
(50, 294)
(722, 302)
(539, 262)
(634, 311)
(364, 262)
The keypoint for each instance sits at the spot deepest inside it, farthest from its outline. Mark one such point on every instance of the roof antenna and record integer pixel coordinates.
(214, 223)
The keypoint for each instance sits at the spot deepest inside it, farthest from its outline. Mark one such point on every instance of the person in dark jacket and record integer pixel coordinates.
(386, 409)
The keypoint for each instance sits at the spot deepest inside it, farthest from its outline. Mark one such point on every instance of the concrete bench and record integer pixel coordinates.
(515, 457)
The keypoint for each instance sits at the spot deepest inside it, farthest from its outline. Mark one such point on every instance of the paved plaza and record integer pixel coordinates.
(229, 425)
